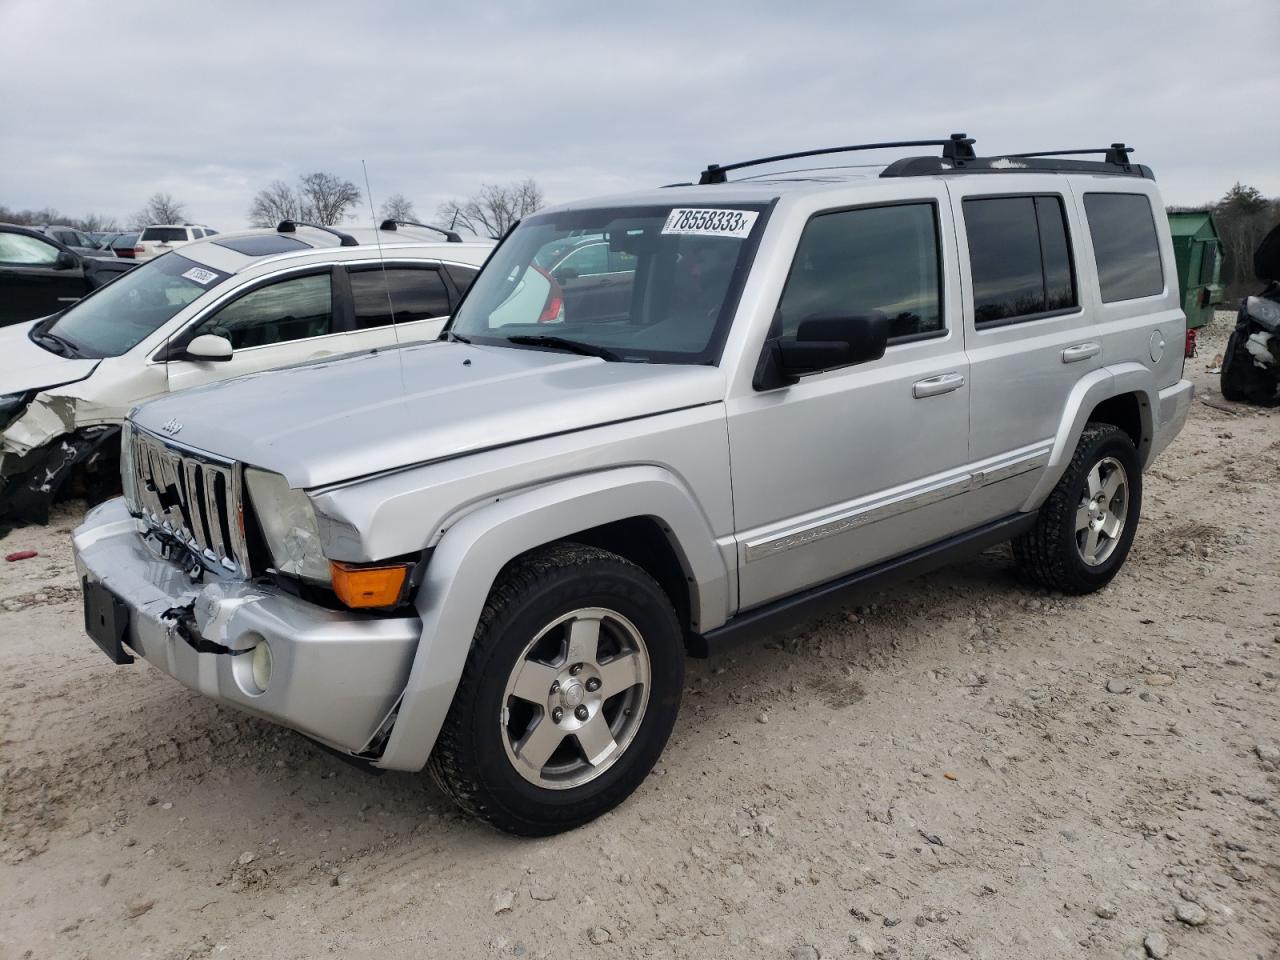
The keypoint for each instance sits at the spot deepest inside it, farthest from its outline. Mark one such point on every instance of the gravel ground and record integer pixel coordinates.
(965, 767)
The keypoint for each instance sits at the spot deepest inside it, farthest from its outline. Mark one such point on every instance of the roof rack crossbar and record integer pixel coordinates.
(1117, 154)
(291, 226)
(449, 235)
(956, 148)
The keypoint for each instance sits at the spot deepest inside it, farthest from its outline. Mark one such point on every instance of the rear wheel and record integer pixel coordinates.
(569, 694)
(1085, 528)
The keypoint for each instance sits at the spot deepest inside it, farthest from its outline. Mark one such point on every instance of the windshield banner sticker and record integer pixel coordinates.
(202, 277)
(710, 223)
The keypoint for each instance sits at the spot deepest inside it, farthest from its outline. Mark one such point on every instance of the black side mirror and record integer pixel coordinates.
(66, 260)
(823, 341)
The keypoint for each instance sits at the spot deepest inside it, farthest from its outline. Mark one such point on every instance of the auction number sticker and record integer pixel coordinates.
(710, 223)
(202, 277)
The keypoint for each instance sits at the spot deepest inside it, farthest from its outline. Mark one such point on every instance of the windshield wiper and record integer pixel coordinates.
(564, 343)
(457, 337)
(64, 346)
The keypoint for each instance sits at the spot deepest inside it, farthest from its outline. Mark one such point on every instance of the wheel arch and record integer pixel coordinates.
(1124, 395)
(638, 511)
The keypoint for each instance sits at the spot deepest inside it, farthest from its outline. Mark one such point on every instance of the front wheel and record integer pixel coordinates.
(568, 696)
(1085, 528)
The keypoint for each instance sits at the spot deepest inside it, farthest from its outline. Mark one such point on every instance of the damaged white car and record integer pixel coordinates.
(225, 306)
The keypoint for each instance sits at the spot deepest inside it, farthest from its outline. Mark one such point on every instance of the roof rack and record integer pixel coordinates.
(291, 226)
(957, 147)
(1115, 162)
(449, 235)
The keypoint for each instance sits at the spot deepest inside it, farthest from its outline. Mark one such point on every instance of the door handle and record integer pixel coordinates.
(934, 386)
(1081, 351)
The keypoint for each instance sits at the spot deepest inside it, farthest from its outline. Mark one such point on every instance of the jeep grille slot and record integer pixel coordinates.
(192, 498)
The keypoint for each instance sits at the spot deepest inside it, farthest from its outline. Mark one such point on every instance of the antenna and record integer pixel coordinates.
(386, 285)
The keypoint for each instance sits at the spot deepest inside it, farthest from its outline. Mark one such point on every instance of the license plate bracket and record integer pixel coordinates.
(106, 620)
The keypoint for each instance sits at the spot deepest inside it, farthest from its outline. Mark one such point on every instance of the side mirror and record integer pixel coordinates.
(824, 341)
(66, 260)
(209, 346)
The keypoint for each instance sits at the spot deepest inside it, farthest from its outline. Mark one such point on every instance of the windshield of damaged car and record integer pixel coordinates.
(116, 318)
(655, 284)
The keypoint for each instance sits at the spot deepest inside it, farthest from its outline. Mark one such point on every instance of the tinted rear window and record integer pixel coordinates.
(1125, 247)
(1019, 256)
(164, 234)
(414, 294)
(262, 246)
(461, 277)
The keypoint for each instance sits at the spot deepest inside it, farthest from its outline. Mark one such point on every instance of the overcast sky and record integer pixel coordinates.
(105, 103)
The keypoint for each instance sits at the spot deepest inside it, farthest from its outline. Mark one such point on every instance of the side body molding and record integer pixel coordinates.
(474, 549)
(1089, 391)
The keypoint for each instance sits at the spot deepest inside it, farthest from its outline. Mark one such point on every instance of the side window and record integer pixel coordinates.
(1019, 257)
(462, 277)
(67, 237)
(414, 294)
(19, 248)
(1124, 245)
(281, 312)
(856, 262)
(591, 260)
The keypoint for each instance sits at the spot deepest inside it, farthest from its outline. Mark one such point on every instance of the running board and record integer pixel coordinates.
(808, 604)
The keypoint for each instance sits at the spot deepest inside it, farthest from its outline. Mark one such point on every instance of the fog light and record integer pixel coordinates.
(261, 666)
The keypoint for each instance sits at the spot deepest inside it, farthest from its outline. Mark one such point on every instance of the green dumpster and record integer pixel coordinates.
(1197, 252)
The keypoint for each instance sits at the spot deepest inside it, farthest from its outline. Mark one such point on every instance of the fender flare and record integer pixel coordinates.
(1089, 391)
(468, 558)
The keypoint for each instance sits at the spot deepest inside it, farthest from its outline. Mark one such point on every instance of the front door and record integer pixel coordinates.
(31, 283)
(854, 465)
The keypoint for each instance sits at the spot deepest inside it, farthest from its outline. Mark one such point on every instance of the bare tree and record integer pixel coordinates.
(325, 198)
(160, 208)
(1243, 217)
(492, 211)
(398, 207)
(96, 222)
(277, 202)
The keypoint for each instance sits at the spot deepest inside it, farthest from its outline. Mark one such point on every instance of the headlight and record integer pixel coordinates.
(289, 524)
(11, 404)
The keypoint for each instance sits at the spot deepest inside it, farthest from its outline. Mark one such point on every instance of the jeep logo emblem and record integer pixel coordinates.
(172, 426)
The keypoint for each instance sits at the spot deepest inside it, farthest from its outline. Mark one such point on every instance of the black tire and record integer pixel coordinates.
(470, 759)
(1050, 554)
(1241, 380)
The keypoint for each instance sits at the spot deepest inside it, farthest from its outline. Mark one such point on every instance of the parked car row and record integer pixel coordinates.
(225, 306)
(39, 274)
(655, 423)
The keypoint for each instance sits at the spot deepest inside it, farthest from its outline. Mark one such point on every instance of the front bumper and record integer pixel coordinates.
(335, 676)
(1175, 405)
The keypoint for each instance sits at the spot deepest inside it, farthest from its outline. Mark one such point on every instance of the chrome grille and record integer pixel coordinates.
(191, 497)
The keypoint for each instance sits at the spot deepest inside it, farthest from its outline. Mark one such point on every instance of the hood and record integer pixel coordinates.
(28, 366)
(332, 420)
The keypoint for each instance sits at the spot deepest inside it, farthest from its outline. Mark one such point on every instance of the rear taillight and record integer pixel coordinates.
(553, 307)
(138, 251)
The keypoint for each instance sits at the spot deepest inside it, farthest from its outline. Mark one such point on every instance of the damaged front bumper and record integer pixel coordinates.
(334, 676)
(30, 481)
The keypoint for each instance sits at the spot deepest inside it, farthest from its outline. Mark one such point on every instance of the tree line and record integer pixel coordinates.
(323, 198)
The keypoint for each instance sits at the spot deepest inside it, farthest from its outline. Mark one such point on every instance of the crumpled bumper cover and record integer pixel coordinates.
(335, 676)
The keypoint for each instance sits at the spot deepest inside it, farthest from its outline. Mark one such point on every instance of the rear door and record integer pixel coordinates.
(31, 284)
(399, 302)
(1029, 324)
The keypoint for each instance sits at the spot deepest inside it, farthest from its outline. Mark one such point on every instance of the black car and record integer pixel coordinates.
(39, 275)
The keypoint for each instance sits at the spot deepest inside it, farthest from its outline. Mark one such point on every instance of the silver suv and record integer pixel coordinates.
(490, 554)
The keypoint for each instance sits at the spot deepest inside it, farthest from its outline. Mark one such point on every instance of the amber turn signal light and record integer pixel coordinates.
(359, 587)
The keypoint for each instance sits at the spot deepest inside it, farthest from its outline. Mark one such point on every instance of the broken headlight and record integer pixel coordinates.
(288, 524)
(11, 405)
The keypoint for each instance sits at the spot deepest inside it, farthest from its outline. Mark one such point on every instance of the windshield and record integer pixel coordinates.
(654, 284)
(120, 315)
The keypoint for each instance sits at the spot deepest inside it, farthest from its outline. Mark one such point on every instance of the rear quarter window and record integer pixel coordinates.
(1125, 247)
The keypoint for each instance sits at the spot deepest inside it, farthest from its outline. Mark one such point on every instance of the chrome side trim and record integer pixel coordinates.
(879, 507)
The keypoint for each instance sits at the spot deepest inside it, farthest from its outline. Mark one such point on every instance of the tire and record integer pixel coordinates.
(1057, 552)
(1241, 380)
(536, 625)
